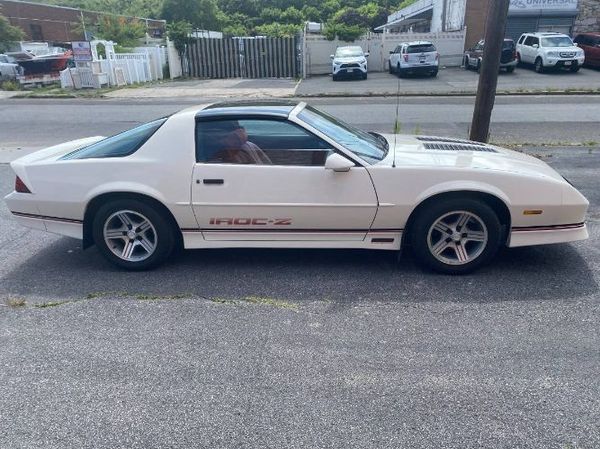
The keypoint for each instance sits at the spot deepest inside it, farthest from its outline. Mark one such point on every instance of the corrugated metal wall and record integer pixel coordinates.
(243, 58)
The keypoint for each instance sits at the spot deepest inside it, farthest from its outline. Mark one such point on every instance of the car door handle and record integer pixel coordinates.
(213, 181)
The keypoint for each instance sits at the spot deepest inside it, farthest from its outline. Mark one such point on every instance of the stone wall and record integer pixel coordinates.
(589, 16)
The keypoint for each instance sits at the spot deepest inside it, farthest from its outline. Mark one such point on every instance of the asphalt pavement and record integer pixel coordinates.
(35, 123)
(299, 348)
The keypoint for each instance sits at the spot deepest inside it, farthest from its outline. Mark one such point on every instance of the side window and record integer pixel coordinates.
(535, 40)
(521, 39)
(528, 41)
(258, 141)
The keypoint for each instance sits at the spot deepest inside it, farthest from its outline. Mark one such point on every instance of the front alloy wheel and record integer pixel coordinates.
(456, 236)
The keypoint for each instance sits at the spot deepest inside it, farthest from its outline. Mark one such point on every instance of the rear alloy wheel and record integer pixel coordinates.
(539, 65)
(456, 236)
(132, 234)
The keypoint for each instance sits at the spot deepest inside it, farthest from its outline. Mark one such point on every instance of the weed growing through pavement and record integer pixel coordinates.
(45, 305)
(16, 302)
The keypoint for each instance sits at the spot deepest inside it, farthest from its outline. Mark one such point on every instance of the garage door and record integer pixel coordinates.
(515, 26)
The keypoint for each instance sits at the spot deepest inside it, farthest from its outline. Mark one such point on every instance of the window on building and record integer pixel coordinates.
(36, 32)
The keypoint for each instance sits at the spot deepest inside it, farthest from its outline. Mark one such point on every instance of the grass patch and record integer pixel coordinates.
(278, 303)
(16, 302)
(143, 297)
(45, 305)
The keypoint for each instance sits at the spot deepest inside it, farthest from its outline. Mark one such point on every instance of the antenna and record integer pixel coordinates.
(396, 122)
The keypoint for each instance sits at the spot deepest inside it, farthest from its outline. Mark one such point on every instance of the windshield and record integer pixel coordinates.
(346, 52)
(365, 145)
(557, 41)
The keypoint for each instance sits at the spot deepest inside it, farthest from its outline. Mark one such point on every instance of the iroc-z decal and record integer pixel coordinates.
(250, 221)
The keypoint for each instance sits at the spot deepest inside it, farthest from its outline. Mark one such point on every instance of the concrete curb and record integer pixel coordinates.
(448, 94)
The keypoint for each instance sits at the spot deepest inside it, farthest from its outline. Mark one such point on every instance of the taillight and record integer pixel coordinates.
(20, 186)
(405, 58)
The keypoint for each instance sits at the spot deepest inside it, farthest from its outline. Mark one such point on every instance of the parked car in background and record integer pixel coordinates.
(418, 57)
(349, 61)
(9, 69)
(508, 58)
(549, 51)
(590, 44)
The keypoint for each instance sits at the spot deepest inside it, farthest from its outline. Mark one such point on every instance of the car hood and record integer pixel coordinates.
(347, 60)
(569, 49)
(458, 153)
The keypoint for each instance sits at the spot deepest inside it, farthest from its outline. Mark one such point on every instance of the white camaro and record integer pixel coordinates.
(285, 175)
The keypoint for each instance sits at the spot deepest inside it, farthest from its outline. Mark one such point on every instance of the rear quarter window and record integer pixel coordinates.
(119, 145)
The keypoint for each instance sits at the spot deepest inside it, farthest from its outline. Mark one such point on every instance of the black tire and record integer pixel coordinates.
(364, 76)
(422, 234)
(539, 65)
(335, 77)
(162, 235)
(466, 62)
(510, 69)
(519, 62)
(434, 73)
(575, 68)
(399, 71)
(478, 66)
(390, 69)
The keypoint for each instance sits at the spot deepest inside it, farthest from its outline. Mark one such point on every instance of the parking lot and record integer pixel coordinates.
(300, 348)
(453, 80)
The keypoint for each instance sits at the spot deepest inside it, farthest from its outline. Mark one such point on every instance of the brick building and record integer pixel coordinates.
(60, 24)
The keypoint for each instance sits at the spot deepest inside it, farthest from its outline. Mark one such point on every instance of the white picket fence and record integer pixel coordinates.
(145, 64)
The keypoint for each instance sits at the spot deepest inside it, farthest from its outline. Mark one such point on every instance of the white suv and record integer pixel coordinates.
(549, 50)
(349, 61)
(414, 57)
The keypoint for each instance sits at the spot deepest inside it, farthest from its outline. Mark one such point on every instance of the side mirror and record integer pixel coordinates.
(535, 46)
(391, 52)
(338, 163)
(367, 55)
(331, 56)
(575, 44)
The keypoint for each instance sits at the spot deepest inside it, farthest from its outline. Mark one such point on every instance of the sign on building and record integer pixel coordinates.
(82, 51)
(537, 5)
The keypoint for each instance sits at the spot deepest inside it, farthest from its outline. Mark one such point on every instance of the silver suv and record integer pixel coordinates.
(549, 50)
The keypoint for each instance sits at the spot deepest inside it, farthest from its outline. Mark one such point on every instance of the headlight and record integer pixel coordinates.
(553, 54)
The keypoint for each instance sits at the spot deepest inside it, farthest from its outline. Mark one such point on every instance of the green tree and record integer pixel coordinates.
(277, 30)
(179, 33)
(203, 14)
(123, 31)
(8, 33)
(347, 33)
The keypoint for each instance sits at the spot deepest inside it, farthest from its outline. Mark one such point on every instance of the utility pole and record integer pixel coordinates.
(488, 78)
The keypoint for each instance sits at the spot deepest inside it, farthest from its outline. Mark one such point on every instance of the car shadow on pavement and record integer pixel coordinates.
(63, 271)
